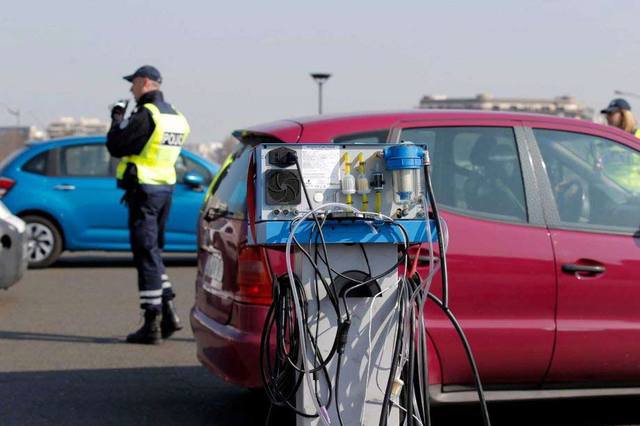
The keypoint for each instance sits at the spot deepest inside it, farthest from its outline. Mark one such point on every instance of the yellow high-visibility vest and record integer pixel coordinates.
(156, 162)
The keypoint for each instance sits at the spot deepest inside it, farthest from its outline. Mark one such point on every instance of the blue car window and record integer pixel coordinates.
(184, 165)
(193, 166)
(90, 160)
(37, 164)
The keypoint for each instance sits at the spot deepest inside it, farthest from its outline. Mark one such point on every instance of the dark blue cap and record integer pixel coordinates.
(615, 105)
(147, 71)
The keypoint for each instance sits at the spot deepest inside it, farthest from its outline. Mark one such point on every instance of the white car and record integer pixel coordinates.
(13, 248)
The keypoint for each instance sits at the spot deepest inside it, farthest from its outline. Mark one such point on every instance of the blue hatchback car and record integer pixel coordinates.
(65, 191)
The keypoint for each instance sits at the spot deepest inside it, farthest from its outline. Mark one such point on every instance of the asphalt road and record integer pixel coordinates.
(63, 361)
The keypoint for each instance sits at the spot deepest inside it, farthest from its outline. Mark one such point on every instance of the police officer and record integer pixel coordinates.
(618, 114)
(148, 144)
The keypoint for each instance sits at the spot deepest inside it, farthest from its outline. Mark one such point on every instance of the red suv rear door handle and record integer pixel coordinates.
(572, 268)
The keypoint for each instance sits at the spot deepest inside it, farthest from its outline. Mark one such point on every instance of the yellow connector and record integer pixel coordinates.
(347, 163)
(362, 184)
(348, 181)
(361, 163)
(378, 205)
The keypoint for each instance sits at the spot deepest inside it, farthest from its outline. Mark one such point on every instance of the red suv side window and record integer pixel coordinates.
(595, 181)
(476, 170)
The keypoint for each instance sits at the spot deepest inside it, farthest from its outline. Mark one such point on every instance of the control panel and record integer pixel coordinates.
(377, 179)
(356, 175)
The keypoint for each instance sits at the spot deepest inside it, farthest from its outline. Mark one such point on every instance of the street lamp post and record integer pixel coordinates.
(13, 111)
(16, 113)
(623, 93)
(320, 78)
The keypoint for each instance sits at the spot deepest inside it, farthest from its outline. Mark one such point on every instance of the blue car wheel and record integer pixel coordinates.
(45, 241)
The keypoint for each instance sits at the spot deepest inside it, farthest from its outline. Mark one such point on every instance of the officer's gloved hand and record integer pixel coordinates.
(118, 110)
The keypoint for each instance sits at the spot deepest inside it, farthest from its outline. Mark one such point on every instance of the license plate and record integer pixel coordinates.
(213, 271)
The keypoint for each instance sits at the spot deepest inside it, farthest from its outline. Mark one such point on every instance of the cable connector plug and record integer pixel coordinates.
(396, 388)
(426, 158)
(282, 157)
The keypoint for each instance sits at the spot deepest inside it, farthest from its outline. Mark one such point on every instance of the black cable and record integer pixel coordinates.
(394, 362)
(277, 377)
(337, 388)
(317, 329)
(267, 421)
(444, 303)
(470, 358)
(410, 372)
(436, 219)
(333, 297)
(329, 289)
(343, 327)
(342, 333)
(323, 362)
(315, 217)
(366, 258)
(334, 347)
(422, 375)
(274, 385)
(382, 274)
(359, 284)
(278, 396)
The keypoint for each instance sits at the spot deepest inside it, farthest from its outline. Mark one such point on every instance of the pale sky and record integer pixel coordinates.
(229, 65)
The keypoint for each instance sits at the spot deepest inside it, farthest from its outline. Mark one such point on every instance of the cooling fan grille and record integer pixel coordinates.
(283, 187)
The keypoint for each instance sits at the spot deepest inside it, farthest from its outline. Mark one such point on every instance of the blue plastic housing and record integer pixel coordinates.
(343, 232)
(403, 156)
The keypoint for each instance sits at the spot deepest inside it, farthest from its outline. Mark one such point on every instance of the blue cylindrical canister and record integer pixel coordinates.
(405, 161)
(403, 156)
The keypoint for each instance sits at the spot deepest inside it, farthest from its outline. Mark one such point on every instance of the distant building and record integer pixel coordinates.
(206, 150)
(14, 137)
(69, 126)
(216, 152)
(563, 106)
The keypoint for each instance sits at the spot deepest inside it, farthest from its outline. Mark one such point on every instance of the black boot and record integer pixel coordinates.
(149, 333)
(170, 322)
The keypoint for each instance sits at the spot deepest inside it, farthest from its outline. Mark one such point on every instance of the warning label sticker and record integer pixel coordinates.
(321, 167)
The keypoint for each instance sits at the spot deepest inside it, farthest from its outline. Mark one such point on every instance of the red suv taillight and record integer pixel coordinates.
(5, 185)
(253, 280)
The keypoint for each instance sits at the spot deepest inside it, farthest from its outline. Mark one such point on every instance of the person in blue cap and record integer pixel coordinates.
(618, 114)
(148, 144)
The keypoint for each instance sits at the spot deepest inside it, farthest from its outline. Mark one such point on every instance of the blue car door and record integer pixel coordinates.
(86, 189)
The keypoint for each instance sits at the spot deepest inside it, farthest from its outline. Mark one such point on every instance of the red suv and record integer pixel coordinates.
(544, 255)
